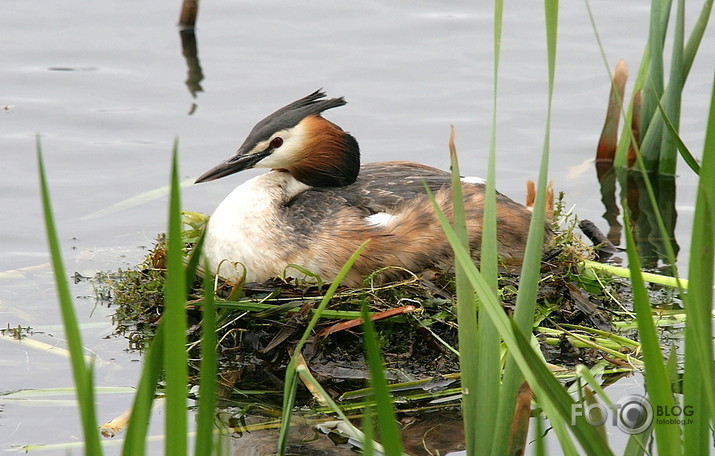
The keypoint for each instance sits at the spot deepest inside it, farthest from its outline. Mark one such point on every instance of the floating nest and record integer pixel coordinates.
(260, 323)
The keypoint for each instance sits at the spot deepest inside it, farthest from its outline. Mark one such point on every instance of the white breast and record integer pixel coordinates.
(244, 228)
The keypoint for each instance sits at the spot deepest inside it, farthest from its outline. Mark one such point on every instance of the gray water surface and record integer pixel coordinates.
(103, 83)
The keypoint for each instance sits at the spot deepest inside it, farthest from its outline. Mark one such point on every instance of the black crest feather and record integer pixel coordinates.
(290, 115)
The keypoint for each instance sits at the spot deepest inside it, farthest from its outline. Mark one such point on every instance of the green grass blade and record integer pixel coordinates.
(208, 373)
(680, 146)
(329, 295)
(466, 313)
(138, 427)
(696, 36)
(659, 391)
(193, 264)
(367, 445)
(539, 440)
(674, 91)
(647, 276)
(290, 387)
(699, 378)
(638, 444)
(584, 373)
(531, 270)
(356, 433)
(654, 86)
(81, 372)
(175, 358)
(657, 216)
(590, 399)
(488, 382)
(650, 117)
(552, 397)
(386, 419)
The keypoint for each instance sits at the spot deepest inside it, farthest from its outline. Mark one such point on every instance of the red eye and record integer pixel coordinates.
(276, 142)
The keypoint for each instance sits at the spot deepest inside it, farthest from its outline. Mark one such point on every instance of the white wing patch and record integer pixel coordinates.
(379, 219)
(473, 180)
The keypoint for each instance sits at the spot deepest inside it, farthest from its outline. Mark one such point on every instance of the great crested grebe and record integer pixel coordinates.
(316, 205)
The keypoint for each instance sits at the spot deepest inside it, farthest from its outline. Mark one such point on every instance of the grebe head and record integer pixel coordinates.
(297, 139)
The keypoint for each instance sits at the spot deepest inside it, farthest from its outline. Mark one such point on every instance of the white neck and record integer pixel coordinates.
(243, 226)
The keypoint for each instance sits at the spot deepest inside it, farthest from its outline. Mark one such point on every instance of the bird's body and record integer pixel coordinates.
(317, 205)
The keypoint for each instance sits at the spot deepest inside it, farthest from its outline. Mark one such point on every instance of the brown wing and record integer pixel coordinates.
(380, 187)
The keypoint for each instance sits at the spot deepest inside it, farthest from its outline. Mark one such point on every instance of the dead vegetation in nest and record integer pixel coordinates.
(259, 324)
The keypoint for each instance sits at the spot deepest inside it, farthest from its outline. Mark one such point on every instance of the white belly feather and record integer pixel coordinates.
(243, 228)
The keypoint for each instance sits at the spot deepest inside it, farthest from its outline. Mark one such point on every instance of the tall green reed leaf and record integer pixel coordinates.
(550, 394)
(648, 115)
(368, 448)
(628, 140)
(539, 440)
(488, 382)
(386, 419)
(696, 36)
(654, 86)
(659, 391)
(175, 358)
(619, 271)
(138, 427)
(192, 266)
(81, 372)
(699, 377)
(680, 146)
(531, 270)
(291, 385)
(305, 375)
(658, 385)
(205, 421)
(668, 156)
(466, 313)
(651, 122)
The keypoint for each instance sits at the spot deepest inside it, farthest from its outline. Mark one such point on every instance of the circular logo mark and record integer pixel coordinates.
(635, 414)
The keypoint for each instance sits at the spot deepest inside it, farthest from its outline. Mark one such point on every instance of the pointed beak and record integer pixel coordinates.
(237, 163)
